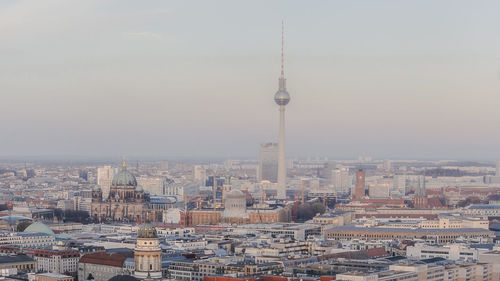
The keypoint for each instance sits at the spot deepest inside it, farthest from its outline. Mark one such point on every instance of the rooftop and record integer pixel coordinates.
(15, 259)
(483, 206)
(104, 258)
(417, 230)
(54, 275)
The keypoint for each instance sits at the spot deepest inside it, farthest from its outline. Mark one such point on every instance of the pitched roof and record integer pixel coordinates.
(104, 258)
(363, 254)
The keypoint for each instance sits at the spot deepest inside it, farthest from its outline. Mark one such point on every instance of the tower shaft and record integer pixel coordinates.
(282, 98)
(281, 156)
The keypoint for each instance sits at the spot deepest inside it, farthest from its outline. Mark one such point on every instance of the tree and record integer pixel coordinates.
(318, 208)
(76, 216)
(468, 201)
(305, 212)
(23, 225)
(58, 213)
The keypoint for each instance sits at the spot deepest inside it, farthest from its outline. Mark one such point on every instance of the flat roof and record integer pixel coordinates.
(55, 275)
(483, 206)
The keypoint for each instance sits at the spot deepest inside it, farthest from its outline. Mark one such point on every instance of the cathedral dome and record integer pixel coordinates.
(235, 194)
(147, 230)
(235, 205)
(124, 178)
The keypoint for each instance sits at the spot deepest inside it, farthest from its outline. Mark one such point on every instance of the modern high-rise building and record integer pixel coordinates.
(154, 185)
(199, 174)
(104, 178)
(340, 180)
(359, 189)
(164, 165)
(268, 162)
(399, 185)
(282, 98)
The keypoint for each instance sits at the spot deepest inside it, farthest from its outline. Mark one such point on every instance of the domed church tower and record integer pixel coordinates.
(147, 253)
(126, 200)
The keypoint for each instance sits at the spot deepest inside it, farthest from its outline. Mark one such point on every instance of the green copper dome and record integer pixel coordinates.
(38, 227)
(124, 178)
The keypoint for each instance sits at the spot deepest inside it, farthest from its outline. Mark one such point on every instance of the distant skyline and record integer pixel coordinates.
(187, 79)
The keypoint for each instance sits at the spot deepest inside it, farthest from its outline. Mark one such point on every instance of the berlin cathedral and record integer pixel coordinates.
(126, 202)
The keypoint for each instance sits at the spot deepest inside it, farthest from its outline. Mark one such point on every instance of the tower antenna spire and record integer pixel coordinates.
(282, 80)
(282, 49)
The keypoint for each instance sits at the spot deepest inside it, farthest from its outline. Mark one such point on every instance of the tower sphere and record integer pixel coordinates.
(282, 97)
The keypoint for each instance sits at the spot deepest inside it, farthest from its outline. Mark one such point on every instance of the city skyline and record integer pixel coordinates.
(140, 80)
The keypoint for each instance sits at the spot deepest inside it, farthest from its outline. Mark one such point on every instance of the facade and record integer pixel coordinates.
(380, 190)
(81, 203)
(254, 269)
(334, 219)
(456, 222)
(359, 189)
(381, 233)
(456, 252)
(101, 266)
(399, 185)
(199, 174)
(235, 206)
(127, 201)
(340, 180)
(482, 210)
(155, 185)
(417, 272)
(57, 261)
(21, 263)
(266, 215)
(268, 162)
(194, 270)
(184, 271)
(49, 277)
(294, 231)
(199, 217)
(27, 240)
(147, 253)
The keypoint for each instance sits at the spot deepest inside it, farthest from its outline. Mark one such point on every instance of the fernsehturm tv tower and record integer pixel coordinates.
(282, 98)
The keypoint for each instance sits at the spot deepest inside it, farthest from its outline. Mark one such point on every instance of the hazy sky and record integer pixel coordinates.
(390, 79)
